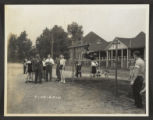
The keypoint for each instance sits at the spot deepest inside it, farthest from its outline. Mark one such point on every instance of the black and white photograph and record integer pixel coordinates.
(76, 60)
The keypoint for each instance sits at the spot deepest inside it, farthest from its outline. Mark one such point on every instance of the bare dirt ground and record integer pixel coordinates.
(84, 96)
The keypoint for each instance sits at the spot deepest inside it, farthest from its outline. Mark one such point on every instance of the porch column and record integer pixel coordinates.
(144, 53)
(121, 58)
(127, 57)
(107, 58)
(111, 58)
(99, 58)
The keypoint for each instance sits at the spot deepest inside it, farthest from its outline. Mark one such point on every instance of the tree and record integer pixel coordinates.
(43, 43)
(61, 41)
(12, 48)
(75, 31)
(24, 46)
(56, 36)
(19, 47)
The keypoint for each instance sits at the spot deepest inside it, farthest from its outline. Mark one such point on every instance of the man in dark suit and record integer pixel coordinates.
(38, 69)
(57, 69)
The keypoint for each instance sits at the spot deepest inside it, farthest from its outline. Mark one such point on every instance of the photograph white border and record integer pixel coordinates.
(90, 115)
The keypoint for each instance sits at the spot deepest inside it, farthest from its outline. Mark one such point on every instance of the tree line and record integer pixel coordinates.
(53, 41)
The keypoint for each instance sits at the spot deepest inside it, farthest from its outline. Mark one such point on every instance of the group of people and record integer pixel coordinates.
(38, 69)
(136, 77)
(42, 69)
(95, 72)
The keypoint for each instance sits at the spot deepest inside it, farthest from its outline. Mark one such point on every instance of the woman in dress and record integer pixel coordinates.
(44, 68)
(25, 66)
(29, 66)
(94, 65)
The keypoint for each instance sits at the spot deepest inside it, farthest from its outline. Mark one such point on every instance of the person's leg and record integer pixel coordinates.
(40, 77)
(47, 75)
(139, 88)
(136, 92)
(36, 76)
(61, 76)
(24, 69)
(51, 74)
(77, 73)
(27, 78)
(80, 74)
(30, 76)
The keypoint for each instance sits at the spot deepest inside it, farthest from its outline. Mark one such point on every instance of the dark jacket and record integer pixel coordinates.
(38, 66)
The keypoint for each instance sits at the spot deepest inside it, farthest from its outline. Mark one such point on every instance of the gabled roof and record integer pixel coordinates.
(136, 42)
(94, 41)
(98, 47)
(92, 37)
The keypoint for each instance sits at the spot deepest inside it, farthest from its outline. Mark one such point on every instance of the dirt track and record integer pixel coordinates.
(77, 97)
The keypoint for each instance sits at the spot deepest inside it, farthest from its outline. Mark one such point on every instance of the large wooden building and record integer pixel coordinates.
(105, 51)
(94, 43)
(126, 47)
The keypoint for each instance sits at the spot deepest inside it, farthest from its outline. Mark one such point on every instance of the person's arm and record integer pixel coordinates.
(135, 74)
(143, 90)
(64, 64)
(52, 62)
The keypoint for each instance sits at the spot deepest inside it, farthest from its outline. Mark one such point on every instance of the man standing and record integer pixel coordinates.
(38, 69)
(138, 79)
(62, 68)
(49, 65)
(78, 69)
(44, 68)
(57, 69)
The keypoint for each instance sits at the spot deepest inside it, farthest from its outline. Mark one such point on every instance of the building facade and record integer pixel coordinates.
(105, 52)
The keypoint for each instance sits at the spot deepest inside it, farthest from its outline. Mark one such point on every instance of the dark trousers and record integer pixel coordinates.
(24, 69)
(38, 76)
(137, 87)
(78, 73)
(58, 74)
(44, 74)
(49, 74)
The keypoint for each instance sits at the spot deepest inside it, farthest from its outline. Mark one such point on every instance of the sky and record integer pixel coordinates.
(108, 21)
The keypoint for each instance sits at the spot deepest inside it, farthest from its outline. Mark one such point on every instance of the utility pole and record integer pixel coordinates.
(52, 42)
(116, 63)
(73, 60)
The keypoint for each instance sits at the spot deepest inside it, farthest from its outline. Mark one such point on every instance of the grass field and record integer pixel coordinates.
(81, 96)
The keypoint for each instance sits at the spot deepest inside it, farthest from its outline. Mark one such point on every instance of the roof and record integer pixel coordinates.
(94, 41)
(136, 42)
(78, 45)
(92, 37)
(98, 47)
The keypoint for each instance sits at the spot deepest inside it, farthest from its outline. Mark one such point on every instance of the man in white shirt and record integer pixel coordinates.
(138, 79)
(62, 68)
(49, 64)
